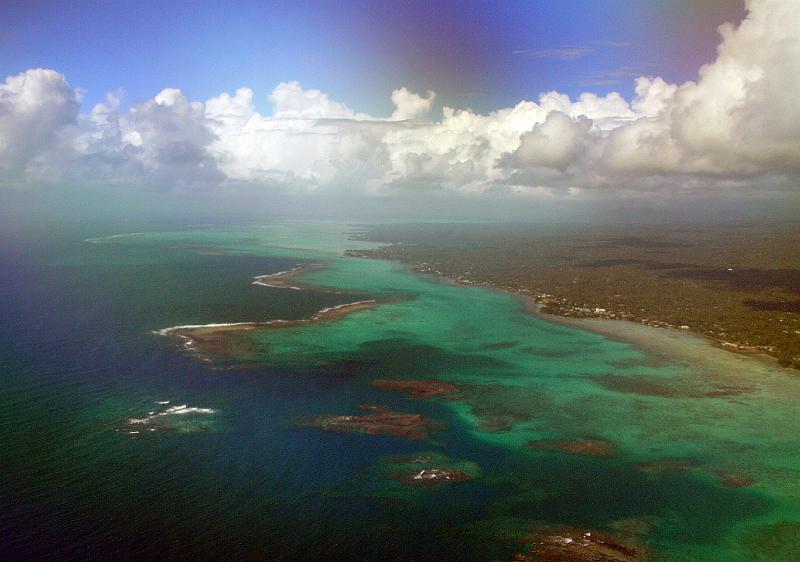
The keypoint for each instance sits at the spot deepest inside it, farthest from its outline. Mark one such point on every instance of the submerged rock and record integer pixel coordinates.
(572, 544)
(418, 389)
(401, 475)
(665, 466)
(662, 467)
(411, 459)
(172, 419)
(585, 447)
(496, 424)
(432, 476)
(381, 421)
(732, 480)
(773, 541)
(669, 388)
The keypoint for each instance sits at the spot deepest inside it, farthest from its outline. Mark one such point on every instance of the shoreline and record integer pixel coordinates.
(623, 329)
(658, 339)
(667, 344)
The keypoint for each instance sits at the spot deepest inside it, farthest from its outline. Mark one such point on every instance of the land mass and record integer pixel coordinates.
(736, 284)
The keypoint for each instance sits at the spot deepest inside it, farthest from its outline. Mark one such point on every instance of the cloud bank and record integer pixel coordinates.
(736, 127)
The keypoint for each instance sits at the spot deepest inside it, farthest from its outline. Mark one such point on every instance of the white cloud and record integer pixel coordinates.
(163, 142)
(409, 105)
(307, 141)
(35, 107)
(556, 143)
(740, 118)
(652, 96)
(292, 101)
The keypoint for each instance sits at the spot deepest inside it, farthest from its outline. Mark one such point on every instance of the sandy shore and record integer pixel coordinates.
(664, 344)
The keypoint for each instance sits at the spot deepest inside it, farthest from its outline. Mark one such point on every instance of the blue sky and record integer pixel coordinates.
(482, 55)
(522, 105)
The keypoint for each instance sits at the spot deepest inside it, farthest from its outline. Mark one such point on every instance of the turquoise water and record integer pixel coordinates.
(238, 472)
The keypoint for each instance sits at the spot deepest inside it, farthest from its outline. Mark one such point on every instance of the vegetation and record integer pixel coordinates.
(739, 285)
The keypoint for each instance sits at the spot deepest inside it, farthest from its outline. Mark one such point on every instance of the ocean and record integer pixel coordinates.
(122, 443)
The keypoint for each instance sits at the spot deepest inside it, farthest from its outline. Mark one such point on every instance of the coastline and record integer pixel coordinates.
(666, 344)
(742, 300)
(634, 331)
(661, 340)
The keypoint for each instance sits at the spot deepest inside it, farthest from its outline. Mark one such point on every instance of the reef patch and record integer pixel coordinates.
(418, 389)
(381, 420)
(583, 447)
(570, 544)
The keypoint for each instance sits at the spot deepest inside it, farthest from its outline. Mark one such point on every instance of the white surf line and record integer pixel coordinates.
(260, 279)
(338, 306)
(173, 410)
(112, 236)
(315, 316)
(171, 329)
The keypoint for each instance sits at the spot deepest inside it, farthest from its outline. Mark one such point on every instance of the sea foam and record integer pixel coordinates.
(171, 329)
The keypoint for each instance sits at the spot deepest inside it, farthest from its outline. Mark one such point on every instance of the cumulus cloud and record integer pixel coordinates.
(163, 141)
(409, 105)
(556, 143)
(737, 124)
(35, 107)
(307, 142)
(290, 100)
(740, 117)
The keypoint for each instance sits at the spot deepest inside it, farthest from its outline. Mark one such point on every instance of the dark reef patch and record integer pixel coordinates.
(568, 544)
(432, 476)
(650, 386)
(380, 421)
(666, 466)
(418, 389)
(733, 480)
(583, 447)
(777, 541)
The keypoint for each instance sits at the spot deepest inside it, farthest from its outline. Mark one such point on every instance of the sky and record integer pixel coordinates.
(482, 55)
(488, 106)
